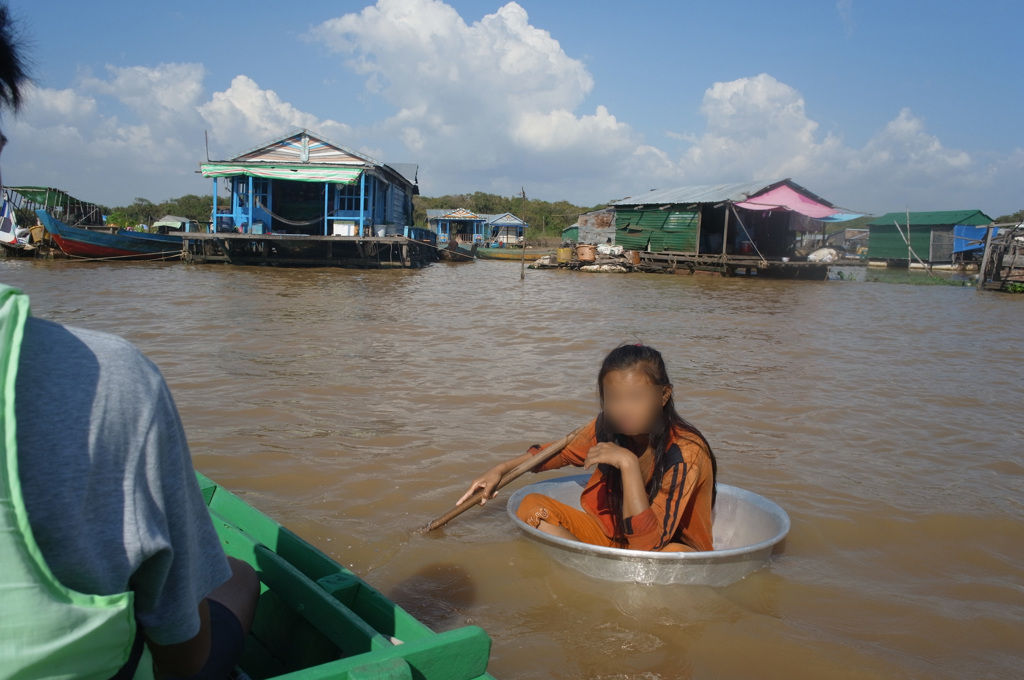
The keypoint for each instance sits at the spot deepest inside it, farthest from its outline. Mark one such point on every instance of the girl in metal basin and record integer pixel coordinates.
(653, 486)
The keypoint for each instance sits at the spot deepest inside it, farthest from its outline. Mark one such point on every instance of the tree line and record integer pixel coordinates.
(544, 217)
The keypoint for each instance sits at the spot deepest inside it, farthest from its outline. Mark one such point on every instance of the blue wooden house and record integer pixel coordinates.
(466, 226)
(303, 183)
(502, 229)
(505, 229)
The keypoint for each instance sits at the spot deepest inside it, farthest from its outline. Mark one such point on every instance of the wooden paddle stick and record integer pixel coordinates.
(543, 456)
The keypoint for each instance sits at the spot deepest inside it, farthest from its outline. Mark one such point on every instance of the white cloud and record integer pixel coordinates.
(493, 105)
(163, 94)
(245, 114)
(845, 9)
(139, 131)
(758, 128)
(495, 99)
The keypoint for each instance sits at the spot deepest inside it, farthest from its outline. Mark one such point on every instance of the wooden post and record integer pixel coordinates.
(725, 240)
(910, 249)
(522, 263)
(984, 258)
(725, 230)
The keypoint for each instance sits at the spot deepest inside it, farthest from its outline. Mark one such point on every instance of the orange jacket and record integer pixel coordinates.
(681, 511)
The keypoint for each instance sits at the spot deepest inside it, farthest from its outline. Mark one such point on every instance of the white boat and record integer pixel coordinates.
(746, 529)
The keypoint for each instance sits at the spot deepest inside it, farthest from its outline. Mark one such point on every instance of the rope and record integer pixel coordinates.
(750, 239)
(123, 257)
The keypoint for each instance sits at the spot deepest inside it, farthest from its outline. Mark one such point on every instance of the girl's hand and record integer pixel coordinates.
(610, 454)
(485, 482)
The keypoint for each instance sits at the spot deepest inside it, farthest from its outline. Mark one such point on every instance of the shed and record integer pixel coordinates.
(759, 218)
(595, 227)
(936, 237)
(505, 228)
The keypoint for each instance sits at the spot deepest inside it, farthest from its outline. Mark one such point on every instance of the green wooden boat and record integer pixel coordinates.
(513, 253)
(316, 620)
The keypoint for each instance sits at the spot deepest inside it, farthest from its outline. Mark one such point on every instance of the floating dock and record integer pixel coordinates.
(590, 258)
(297, 250)
(733, 265)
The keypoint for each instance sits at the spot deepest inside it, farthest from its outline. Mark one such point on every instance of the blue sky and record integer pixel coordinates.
(876, 106)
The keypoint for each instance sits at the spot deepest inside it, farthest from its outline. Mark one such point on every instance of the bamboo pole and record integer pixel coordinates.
(543, 456)
(984, 258)
(910, 251)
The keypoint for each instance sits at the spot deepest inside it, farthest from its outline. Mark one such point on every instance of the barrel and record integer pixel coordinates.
(564, 255)
(586, 253)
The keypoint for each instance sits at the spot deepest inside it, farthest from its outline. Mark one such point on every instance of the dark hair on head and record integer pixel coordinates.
(13, 70)
(647, 359)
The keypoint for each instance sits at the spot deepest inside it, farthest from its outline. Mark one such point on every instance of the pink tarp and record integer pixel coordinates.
(784, 198)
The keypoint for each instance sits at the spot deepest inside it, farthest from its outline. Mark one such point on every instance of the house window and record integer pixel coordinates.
(347, 197)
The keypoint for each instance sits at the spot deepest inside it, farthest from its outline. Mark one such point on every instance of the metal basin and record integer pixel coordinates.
(746, 528)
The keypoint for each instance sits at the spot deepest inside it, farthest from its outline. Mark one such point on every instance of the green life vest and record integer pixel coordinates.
(46, 629)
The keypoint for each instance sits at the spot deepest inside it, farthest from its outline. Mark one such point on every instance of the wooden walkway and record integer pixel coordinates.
(733, 265)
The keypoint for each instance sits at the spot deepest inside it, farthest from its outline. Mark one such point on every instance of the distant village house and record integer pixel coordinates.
(502, 229)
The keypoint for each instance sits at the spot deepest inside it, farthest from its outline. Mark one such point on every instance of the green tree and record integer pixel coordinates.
(546, 219)
(1015, 218)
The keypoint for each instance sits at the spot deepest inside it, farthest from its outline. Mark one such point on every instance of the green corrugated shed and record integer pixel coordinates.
(885, 242)
(662, 230)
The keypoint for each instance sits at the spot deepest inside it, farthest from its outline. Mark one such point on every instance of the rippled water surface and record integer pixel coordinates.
(355, 406)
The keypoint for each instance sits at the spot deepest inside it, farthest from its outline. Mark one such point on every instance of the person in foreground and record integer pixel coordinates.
(653, 486)
(110, 566)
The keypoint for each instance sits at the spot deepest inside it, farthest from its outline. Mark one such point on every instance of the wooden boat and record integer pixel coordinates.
(746, 528)
(12, 244)
(318, 620)
(456, 251)
(515, 254)
(124, 245)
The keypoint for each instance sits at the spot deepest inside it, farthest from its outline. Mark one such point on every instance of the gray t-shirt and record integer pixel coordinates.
(107, 478)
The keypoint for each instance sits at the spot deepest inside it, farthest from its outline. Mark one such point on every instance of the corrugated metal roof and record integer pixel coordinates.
(410, 171)
(313, 136)
(705, 193)
(499, 219)
(937, 218)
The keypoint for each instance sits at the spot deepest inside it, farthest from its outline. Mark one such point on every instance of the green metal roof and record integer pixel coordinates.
(47, 197)
(940, 218)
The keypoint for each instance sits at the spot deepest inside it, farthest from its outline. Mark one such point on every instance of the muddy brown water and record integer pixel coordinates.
(355, 406)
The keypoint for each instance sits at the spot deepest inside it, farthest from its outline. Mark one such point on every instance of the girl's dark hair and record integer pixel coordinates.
(649, 360)
(13, 71)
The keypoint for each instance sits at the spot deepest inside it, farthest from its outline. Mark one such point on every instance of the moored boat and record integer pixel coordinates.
(124, 245)
(16, 241)
(456, 251)
(513, 253)
(746, 528)
(316, 619)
